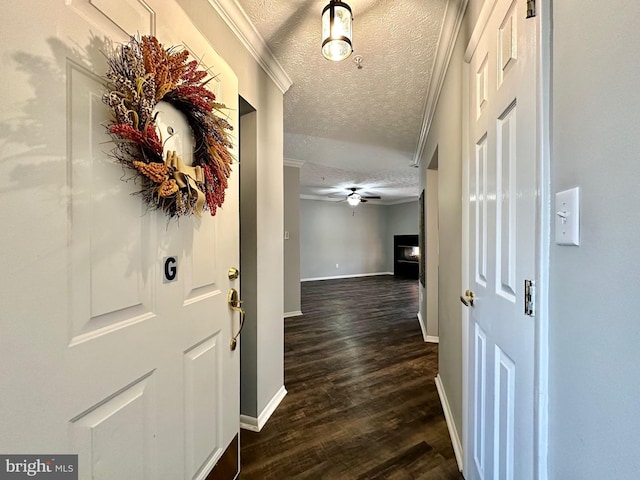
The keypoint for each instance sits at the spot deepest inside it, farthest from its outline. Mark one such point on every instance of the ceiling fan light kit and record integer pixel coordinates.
(337, 22)
(354, 199)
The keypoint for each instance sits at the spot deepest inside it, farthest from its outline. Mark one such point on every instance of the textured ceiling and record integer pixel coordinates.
(354, 126)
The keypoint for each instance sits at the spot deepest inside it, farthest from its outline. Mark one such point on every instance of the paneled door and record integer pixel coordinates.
(502, 247)
(108, 350)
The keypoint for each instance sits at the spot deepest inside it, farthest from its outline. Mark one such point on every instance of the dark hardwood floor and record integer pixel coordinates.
(361, 402)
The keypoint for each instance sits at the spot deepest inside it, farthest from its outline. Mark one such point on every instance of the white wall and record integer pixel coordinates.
(261, 92)
(594, 328)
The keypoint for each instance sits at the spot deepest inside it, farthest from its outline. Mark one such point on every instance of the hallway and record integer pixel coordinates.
(362, 402)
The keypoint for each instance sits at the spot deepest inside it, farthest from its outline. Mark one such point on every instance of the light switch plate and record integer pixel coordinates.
(567, 213)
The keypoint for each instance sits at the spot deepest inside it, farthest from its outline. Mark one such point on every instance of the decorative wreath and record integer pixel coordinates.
(141, 74)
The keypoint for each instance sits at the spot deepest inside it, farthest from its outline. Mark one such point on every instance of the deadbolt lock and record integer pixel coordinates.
(233, 273)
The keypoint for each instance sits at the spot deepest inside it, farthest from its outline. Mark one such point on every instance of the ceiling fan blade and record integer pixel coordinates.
(372, 197)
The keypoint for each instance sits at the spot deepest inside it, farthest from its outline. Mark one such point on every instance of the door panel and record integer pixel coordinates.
(200, 268)
(481, 211)
(482, 86)
(129, 16)
(503, 414)
(502, 214)
(506, 142)
(107, 224)
(203, 393)
(479, 399)
(128, 416)
(103, 357)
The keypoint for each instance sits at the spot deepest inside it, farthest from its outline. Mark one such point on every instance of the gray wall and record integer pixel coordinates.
(593, 339)
(429, 297)
(248, 263)
(334, 233)
(445, 140)
(258, 89)
(359, 240)
(292, 245)
(594, 411)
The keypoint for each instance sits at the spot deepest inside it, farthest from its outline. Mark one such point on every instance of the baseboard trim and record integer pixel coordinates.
(423, 327)
(297, 313)
(336, 277)
(256, 424)
(451, 424)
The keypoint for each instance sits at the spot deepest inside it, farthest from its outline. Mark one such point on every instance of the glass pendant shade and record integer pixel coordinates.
(336, 31)
(353, 199)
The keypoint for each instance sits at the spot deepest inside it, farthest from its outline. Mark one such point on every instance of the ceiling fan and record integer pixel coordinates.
(354, 198)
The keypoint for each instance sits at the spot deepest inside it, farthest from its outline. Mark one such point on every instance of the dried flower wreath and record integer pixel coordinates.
(141, 74)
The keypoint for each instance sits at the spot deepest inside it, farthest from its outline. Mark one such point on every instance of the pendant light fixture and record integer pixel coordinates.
(336, 31)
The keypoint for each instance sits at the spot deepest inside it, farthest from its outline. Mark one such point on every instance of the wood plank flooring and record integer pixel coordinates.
(362, 402)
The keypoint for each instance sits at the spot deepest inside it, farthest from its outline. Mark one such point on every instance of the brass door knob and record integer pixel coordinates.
(467, 298)
(233, 273)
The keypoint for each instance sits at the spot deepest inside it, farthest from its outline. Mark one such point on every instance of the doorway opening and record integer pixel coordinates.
(430, 301)
(247, 160)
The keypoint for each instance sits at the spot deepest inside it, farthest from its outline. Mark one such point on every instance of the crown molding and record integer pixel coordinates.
(290, 162)
(453, 16)
(401, 201)
(238, 21)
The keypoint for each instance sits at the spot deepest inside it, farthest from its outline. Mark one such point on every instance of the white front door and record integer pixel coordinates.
(102, 355)
(502, 215)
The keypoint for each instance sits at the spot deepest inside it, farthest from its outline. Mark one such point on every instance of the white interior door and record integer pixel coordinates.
(502, 215)
(100, 356)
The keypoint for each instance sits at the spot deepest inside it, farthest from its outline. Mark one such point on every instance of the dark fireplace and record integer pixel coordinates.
(406, 256)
